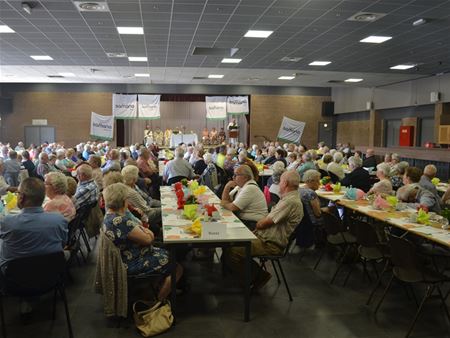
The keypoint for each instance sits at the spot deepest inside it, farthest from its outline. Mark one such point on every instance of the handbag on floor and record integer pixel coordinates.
(152, 319)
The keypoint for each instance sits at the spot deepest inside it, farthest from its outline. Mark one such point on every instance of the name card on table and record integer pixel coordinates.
(213, 230)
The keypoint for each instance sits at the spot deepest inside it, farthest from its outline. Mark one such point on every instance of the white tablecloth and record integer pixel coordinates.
(176, 139)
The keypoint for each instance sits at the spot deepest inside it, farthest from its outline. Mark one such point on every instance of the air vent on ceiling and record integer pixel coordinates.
(291, 59)
(208, 51)
(366, 17)
(253, 79)
(91, 6)
(200, 78)
(116, 55)
(55, 76)
(335, 81)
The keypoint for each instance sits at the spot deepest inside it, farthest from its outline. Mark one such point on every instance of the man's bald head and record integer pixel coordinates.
(430, 171)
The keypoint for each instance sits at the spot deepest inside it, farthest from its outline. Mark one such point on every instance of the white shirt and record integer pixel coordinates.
(250, 200)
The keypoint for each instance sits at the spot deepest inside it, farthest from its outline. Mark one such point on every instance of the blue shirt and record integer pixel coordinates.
(33, 232)
(86, 194)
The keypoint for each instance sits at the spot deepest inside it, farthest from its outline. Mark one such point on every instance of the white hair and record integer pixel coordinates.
(384, 168)
(337, 157)
(179, 152)
(355, 161)
(311, 175)
(130, 174)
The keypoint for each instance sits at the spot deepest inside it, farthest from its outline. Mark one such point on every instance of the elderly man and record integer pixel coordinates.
(271, 158)
(12, 169)
(359, 177)
(113, 162)
(4, 187)
(417, 196)
(43, 168)
(429, 172)
(178, 167)
(31, 232)
(272, 231)
(243, 196)
(370, 161)
(87, 191)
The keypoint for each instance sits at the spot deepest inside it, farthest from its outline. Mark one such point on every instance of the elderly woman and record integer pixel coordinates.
(335, 167)
(150, 208)
(274, 181)
(58, 201)
(209, 176)
(96, 162)
(384, 186)
(358, 177)
(133, 240)
(71, 188)
(292, 161)
(325, 161)
(199, 163)
(306, 165)
(397, 173)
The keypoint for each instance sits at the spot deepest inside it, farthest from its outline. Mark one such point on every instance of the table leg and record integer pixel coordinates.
(173, 279)
(248, 259)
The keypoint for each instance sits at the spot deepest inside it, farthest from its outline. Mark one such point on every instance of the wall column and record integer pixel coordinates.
(375, 129)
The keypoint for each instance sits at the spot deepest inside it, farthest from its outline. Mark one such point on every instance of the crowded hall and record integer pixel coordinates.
(224, 168)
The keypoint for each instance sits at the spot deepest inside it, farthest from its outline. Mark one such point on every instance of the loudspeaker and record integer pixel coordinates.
(327, 108)
(6, 105)
(435, 97)
(369, 105)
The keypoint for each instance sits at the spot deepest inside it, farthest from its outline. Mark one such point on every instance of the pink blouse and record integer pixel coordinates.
(62, 204)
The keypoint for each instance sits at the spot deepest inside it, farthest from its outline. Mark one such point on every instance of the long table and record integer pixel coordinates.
(176, 139)
(399, 219)
(175, 236)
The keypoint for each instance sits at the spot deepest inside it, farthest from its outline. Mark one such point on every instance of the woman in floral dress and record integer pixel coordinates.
(133, 240)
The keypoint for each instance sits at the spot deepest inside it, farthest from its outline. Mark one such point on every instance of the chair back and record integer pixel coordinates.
(365, 234)
(404, 254)
(334, 178)
(332, 224)
(323, 173)
(34, 275)
(175, 179)
(292, 238)
(305, 230)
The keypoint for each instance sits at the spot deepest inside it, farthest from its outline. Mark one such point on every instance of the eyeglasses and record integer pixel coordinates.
(234, 175)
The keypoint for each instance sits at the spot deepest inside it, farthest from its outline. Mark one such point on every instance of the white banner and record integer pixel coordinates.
(237, 105)
(124, 106)
(102, 127)
(149, 106)
(291, 130)
(216, 107)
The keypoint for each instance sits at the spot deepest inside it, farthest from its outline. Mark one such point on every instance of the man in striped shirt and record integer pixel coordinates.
(87, 191)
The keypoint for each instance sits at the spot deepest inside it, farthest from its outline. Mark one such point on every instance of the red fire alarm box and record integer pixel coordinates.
(406, 136)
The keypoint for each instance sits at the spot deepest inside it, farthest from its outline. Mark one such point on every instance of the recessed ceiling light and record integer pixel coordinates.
(116, 55)
(142, 75)
(131, 30)
(403, 67)
(67, 74)
(291, 59)
(290, 77)
(41, 57)
(320, 63)
(215, 76)
(137, 58)
(366, 16)
(376, 39)
(91, 6)
(257, 34)
(353, 80)
(6, 29)
(229, 60)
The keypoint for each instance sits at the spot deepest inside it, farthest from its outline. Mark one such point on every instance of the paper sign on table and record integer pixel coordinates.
(213, 230)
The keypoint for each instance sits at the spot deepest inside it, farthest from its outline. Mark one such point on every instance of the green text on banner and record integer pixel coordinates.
(149, 106)
(124, 106)
(237, 105)
(216, 107)
(291, 130)
(102, 127)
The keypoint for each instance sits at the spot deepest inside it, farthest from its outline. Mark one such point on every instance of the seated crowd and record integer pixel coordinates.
(54, 183)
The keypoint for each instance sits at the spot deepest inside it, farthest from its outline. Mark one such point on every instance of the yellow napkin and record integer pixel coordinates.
(337, 187)
(196, 227)
(259, 166)
(11, 201)
(193, 185)
(392, 200)
(199, 191)
(190, 211)
(435, 181)
(423, 217)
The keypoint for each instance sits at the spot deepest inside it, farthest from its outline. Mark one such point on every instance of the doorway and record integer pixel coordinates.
(38, 135)
(326, 133)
